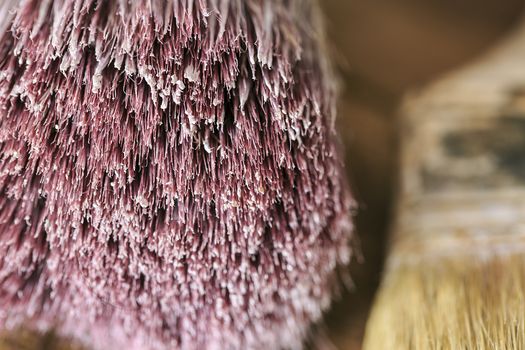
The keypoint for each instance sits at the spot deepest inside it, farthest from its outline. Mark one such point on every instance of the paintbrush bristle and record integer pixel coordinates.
(169, 176)
(461, 302)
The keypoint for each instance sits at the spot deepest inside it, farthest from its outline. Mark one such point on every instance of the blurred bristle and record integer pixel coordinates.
(460, 302)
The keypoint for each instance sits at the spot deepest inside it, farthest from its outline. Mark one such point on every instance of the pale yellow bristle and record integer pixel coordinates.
(461, 302)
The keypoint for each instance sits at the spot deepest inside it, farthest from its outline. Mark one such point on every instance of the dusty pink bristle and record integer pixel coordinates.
(168, 172)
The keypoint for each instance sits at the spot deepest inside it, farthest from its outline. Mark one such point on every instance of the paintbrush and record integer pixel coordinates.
(455, 275)
(169, 172)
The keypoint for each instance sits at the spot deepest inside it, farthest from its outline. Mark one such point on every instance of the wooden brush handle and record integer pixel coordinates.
(463, 159)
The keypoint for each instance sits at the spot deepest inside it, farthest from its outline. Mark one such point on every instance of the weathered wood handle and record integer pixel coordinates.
(463, 160)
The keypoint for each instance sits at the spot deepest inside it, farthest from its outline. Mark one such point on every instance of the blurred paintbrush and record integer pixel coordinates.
(455, 276)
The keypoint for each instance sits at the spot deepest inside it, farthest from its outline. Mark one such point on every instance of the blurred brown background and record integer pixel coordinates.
(383, 49)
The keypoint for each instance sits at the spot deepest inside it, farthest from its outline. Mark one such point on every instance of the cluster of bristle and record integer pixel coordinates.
(456, 302)
(168, 174)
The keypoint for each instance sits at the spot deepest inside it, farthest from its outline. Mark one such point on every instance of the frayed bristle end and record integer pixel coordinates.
(170, 176)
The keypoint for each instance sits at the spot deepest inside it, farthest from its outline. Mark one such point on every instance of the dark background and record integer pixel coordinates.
(384, 49)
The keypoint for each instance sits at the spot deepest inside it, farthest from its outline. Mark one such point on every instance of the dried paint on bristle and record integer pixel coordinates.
(168, 172)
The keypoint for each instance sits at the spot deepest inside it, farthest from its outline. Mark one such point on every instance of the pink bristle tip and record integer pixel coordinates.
(169, 176)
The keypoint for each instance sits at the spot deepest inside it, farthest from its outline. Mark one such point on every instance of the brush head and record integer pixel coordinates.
(457, 302)
(168, 172)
